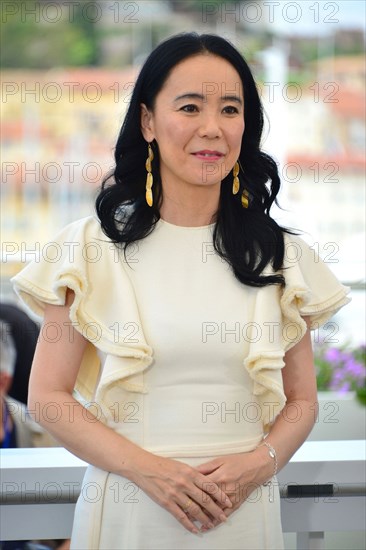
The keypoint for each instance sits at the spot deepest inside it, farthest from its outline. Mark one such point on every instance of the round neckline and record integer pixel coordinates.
(186, 227)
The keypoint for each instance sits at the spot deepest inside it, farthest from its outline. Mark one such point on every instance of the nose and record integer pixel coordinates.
(210, 126)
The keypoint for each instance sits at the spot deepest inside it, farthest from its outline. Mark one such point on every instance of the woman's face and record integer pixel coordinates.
(197, 121)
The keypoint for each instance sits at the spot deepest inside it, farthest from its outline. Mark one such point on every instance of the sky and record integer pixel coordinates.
(321, 17)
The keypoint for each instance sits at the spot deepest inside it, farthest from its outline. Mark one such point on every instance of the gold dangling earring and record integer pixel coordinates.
(236, 186)
(236, 183)
(245, 199)
(149, 177)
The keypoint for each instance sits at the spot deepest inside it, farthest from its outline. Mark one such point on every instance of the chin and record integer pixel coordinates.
(208, 184)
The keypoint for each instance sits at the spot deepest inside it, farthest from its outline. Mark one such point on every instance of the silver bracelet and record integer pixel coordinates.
(272, 453)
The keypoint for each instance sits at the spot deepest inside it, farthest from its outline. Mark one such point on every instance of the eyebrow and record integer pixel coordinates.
(194, 95)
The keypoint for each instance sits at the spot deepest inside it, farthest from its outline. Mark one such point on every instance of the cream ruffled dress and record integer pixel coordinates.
(183, 360)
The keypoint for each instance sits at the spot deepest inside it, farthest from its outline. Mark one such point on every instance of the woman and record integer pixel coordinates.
(198, 306)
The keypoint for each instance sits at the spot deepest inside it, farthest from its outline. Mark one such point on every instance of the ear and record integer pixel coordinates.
(147, 124)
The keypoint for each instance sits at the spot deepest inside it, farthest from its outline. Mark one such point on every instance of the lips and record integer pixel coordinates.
(207, 154)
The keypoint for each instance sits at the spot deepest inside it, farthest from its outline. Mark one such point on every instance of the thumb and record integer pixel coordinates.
(207, 467)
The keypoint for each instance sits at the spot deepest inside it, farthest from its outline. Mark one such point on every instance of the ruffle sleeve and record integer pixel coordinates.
(104, 311)
(311, 290)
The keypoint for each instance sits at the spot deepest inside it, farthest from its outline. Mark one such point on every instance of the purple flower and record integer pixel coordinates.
(340, 369)
(346, 386)
(354, 368)
(337, 377)
(333, 355)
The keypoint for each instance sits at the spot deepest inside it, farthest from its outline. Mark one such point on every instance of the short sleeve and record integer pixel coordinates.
(82, 258)
(61, 264)
(311, 290)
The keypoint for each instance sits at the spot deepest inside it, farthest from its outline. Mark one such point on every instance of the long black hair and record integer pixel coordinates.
(247, 238)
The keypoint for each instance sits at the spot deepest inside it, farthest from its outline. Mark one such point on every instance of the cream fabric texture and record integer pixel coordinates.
(182, 359)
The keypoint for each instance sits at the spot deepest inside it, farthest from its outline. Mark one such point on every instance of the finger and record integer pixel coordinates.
(183, 518)
(228, 512)
(208, 467)
(205, 469)
(208, 507)
(213, 490)
(194, 511)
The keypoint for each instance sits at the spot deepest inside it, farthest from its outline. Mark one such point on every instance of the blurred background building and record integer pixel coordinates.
(68, 70)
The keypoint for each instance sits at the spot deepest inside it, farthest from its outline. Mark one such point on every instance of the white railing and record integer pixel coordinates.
(322, 489)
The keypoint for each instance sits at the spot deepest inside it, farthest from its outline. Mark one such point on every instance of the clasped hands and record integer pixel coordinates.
(206, 494)
(238, 475)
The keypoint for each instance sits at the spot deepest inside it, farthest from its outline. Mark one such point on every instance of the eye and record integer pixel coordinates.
(190, 108)
(231, 110)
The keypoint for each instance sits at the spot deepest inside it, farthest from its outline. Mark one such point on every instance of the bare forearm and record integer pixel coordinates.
(291, 428)
(83, 435)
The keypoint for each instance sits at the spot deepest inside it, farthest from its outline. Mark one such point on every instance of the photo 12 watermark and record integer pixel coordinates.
(70, 10)
(270, 12)
(65, 91)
